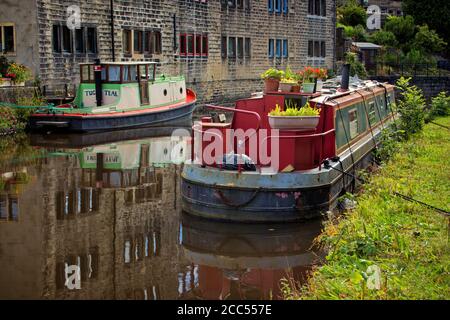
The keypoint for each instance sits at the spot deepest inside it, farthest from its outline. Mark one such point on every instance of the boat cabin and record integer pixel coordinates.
(126, 86)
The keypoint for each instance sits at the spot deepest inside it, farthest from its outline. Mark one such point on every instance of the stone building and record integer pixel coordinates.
(221, 47)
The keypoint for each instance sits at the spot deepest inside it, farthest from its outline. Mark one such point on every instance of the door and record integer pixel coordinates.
(143, 84)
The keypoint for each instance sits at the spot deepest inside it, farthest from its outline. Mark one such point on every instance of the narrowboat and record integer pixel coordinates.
(120, 95)
(296, 173)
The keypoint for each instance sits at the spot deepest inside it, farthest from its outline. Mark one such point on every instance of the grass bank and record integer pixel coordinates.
(407, 243)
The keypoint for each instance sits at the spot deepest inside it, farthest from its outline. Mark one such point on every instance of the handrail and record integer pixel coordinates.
(253, 113)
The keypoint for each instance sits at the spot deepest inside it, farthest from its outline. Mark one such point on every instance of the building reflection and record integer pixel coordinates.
(244, 261)
(110, 209)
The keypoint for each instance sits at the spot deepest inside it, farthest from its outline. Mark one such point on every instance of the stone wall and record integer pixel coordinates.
(431, 86)
(15, 94)
(216, 79)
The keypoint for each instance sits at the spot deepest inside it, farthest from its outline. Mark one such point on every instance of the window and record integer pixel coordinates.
(285, 48)
(138, 41)
(233, 4)
(270, 5)
(317, 7)
(270, 48)
(66, 39)
(198, 45)
(157, 42)
(278, 6)
(190, 44)
(183, 47)
(248, 48)
(7, 38)
(278, 48)
(232, 47)
(79, 40)
(316, 49)
(285, 6)
(353, 121)
(224, 47)
(153, 44)
(126, 41)
(372, 115)
(205, 46)
(114, 73)
(240, 48)
(91, 43)
(56, 38)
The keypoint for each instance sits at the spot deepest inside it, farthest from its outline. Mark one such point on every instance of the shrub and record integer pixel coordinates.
(410, 107)
(440, 106)
(356, 67)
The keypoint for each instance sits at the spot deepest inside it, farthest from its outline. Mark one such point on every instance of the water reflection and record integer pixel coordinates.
(233, 261)
(109, 204)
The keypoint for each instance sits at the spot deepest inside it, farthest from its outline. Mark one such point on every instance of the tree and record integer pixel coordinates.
(384, 38)
(357, 33)
(428, 40)
(351, 14)
(434, 13)
(402, 27)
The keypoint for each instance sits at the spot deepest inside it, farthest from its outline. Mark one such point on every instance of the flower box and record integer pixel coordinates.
(308, 87)
(7, 82)
(304, 123)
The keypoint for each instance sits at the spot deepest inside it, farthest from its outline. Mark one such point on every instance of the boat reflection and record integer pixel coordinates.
(246, 261)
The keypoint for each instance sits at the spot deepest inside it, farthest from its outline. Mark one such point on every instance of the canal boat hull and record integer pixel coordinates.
(176, 115)
(282, 197)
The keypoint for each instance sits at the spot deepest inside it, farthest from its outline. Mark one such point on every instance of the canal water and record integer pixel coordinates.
(108, 205)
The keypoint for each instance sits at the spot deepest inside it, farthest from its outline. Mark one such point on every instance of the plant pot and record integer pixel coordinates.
(294, 123)
(271, 85)
(5, 82)
(286, 87)
(308, 87)
(296, 88)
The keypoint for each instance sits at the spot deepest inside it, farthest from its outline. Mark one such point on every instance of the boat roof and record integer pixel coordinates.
(124, 63)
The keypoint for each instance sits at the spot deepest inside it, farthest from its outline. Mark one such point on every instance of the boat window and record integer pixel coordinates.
(353, 122)
(372, 115)
(114, 73)
(133, 73)
(84, 73)
(103, 73)
(126, 74)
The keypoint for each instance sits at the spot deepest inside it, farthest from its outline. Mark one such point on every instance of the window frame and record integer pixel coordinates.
(3, 39)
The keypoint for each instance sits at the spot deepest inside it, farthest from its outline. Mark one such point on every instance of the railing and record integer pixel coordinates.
(406, 69)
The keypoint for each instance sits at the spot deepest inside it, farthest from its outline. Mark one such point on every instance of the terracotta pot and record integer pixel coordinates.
(271, 85)
(294, 123)
(295, 88)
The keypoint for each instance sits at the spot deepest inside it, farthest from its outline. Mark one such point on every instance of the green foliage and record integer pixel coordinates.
(406, 241)
(384, 38)
(403, 28)
(428, 40)
(293, 111)
(435, 13)
(357, 33)
(440, 106)
(410, 107)
(351, 14)
(356, 67)
(272, 73)
(8, 119)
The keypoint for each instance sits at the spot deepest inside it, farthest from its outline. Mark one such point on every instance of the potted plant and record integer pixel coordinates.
(272, 79)
(322, 75)
(289, 81)
(306, 118)
(309, 76)
(18, 74)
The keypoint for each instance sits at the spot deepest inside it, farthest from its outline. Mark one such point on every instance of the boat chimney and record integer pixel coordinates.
(345, 78)
(98, 82)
